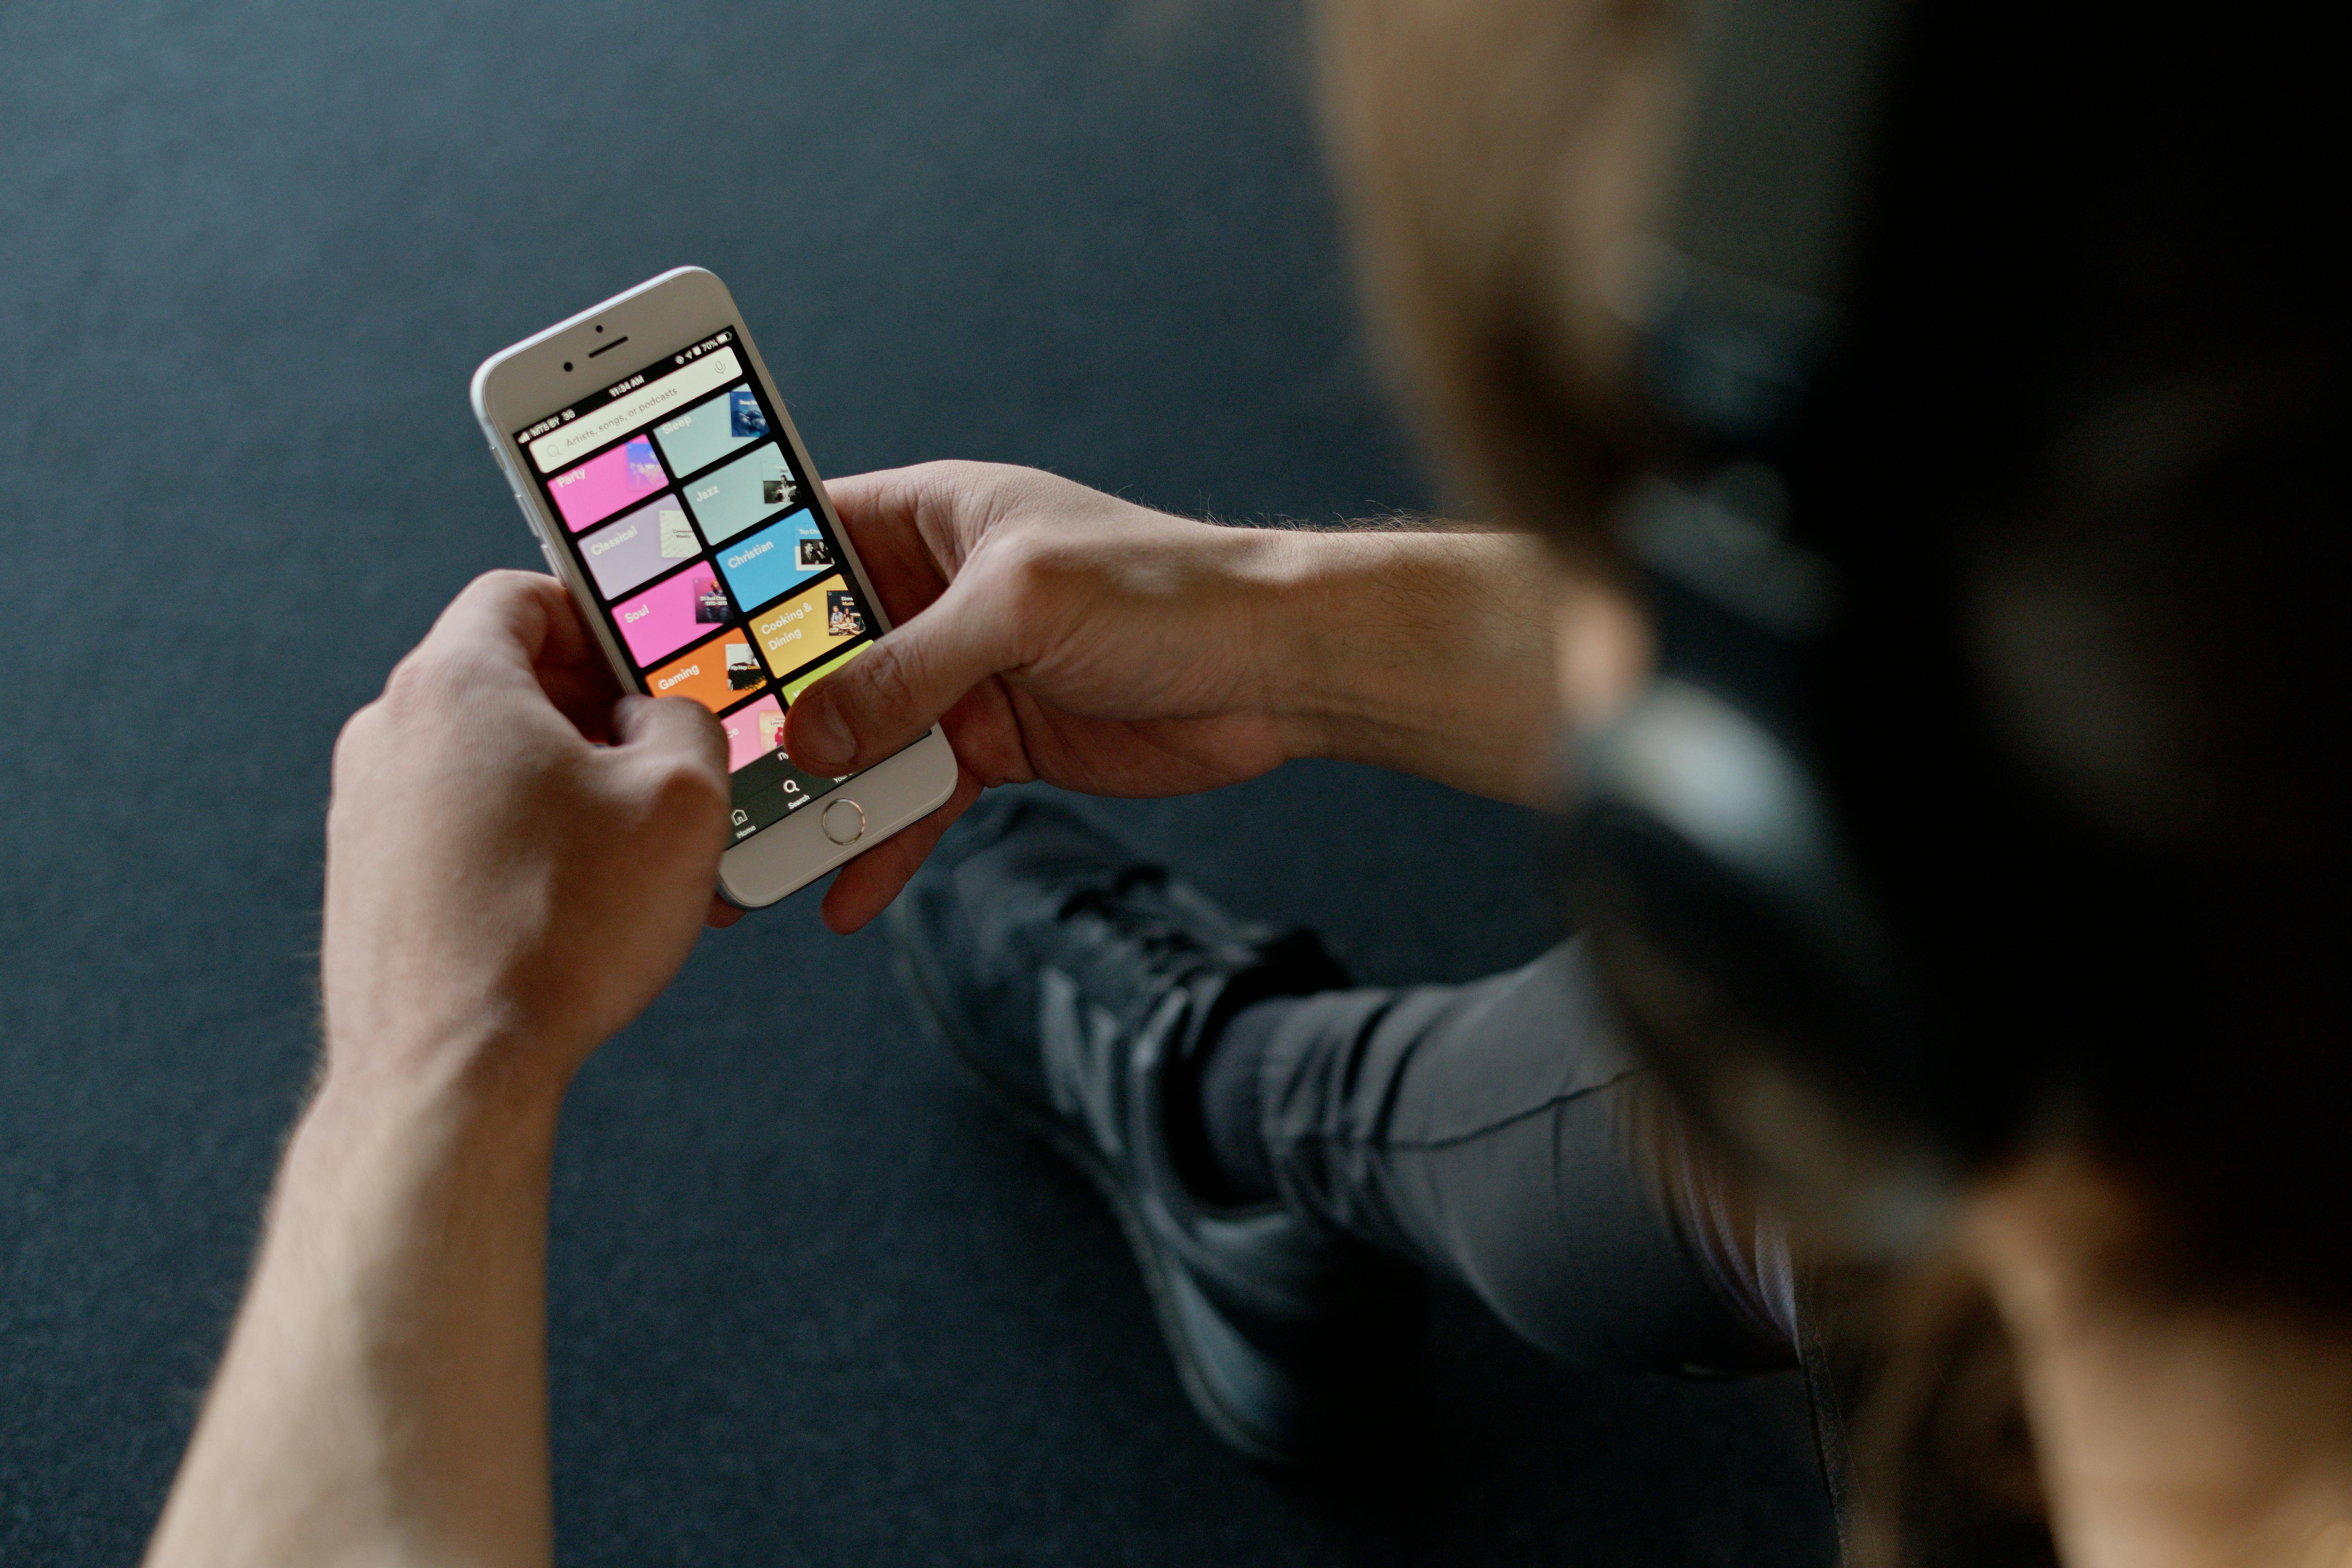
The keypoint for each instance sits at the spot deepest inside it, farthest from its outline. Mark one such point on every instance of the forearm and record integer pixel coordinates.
(383, 1395)
(1432, 653)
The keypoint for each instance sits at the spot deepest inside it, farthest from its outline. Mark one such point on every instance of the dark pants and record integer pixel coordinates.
(1500, 1133)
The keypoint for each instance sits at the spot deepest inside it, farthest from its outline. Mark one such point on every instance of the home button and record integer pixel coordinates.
(844, 822)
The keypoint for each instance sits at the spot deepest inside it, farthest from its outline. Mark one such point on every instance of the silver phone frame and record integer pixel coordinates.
(524, 381)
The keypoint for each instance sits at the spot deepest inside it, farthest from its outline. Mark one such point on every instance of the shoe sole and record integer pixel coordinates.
(940, 1023)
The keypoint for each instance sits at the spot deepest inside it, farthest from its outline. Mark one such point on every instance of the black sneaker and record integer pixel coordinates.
(1074, 983)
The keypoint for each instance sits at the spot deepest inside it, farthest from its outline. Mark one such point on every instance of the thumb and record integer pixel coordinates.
(884, 699)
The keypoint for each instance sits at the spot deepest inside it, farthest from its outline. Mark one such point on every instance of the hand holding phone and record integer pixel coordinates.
(652, 457)
(461, 796)
(1061, 634)
(1056, 633)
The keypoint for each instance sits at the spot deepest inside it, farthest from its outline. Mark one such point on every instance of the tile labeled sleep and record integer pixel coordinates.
(714, 428)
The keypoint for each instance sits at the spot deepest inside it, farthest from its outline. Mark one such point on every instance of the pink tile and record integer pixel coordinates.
(668, 617)
(751, 732)
(603, 485)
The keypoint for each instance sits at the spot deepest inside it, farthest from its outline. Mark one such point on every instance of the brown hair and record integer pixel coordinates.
(2148, 544)
(1493, 155)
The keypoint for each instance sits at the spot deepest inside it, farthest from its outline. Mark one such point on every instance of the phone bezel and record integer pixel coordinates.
(524, 381)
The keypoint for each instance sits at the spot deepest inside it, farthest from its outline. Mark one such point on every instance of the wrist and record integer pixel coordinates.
(1324, 616)
(488, 1077)
(373, 1151)
(1269, 580)
(1428, 652)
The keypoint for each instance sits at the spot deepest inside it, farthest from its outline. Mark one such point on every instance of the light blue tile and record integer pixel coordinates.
(734, 496)
(711, 430)
(775, 559)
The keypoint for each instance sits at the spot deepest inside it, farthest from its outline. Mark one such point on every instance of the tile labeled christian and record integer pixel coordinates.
(778, 558)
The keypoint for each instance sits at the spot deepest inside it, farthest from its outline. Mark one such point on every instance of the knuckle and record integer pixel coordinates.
(689, 787)
(506, 590)
(355, 740)
(956, 479)
(894, 685)
(1018, 555)
(427, 681)
(508, 582)
(1043, 573)
(963, 499)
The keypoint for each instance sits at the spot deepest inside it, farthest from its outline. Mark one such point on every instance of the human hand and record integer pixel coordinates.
(501, 892)
(1058, 634)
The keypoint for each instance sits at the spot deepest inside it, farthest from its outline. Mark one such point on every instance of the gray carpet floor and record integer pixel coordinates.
(811, 1304)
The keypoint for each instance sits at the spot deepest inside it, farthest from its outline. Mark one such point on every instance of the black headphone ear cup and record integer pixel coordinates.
(1701, 867)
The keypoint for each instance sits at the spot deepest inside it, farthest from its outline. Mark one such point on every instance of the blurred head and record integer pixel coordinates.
(2078, 490)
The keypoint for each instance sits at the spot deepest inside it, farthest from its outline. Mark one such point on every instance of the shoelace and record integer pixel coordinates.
(1115, 905)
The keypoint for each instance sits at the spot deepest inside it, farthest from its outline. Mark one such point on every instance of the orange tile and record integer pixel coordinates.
(702, 673)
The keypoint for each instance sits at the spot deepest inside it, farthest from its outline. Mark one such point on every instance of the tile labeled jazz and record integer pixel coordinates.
(710, 565)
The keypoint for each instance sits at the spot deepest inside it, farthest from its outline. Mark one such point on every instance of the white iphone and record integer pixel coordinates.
(652, 457)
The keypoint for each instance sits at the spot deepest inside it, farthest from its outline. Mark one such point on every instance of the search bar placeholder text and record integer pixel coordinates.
(565, 442)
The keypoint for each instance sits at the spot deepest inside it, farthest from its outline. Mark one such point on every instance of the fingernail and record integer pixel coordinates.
(820, 741)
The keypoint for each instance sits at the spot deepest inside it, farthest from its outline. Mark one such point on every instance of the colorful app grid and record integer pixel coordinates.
(752, 732)
(716, 674)
(778, 558)
(640, 546)
(748, 490)
(808, 626)
(671, 613)
(605, 484)
(711, 430)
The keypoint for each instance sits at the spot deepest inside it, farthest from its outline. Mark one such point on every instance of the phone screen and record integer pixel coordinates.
(716, 576)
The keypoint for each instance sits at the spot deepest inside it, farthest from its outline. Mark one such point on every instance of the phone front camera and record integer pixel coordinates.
(567, 364)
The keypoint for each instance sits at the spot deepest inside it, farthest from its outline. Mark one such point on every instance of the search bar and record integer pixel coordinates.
(565, 442)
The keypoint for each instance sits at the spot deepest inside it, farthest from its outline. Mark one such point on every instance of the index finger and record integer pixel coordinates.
(512, 627)
(881, 514)
(503, 623)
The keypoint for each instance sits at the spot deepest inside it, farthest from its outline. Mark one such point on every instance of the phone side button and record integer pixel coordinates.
(550, 554)
(844, 822)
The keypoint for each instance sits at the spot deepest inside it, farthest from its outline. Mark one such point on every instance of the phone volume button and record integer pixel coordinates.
(513, 476)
